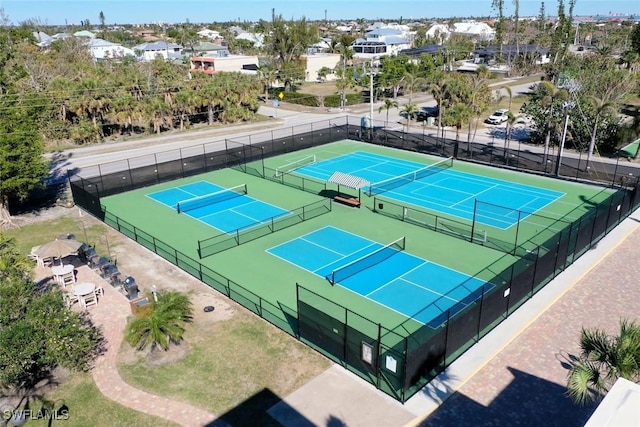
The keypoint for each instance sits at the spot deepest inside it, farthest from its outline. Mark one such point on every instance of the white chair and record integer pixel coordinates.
(32, 256)
(68, 279)
(99, 291)
(45, 262)
(69, 299)
(89, 299)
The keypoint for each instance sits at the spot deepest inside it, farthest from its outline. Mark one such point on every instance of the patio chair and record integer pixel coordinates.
(69, 299)
(68, 279)
(90, 299)
(32, 255)
(86, 252)
(99, 291)
(45, 262)
(97, 262)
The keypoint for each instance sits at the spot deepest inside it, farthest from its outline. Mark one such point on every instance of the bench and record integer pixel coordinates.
(351, 201)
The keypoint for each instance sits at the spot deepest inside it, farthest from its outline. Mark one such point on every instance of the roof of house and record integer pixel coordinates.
(84, 33)
(472, 27)
(41, 37)
(511, 49)
(97, 42)
(159, 45)
(428, 49)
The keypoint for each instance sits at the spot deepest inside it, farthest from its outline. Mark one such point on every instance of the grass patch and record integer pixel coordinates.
(230, 362)
(87, 407)
(28, 236)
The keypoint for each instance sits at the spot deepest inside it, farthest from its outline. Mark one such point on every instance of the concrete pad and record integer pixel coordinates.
(339, 398)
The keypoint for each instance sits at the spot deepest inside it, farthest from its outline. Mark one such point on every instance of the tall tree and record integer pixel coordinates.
(22, 164)
(603, 359)
(286, 42)
(102, 19)
(516, 25)
(498, 6)
(388, 104)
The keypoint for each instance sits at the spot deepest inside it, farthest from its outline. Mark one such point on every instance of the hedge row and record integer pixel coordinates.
(311, 100)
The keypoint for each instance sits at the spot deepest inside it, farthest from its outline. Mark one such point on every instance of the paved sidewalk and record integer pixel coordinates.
(517, 374)
(110, 316)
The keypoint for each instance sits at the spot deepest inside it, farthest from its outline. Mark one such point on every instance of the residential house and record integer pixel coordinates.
(209, 34)
(476, 30)
(381, 42)
(42, 39)
(152, 50)
(488, 55)
(206, 49)
(256, 39)
(101, 49)
(84, 34)
(147, 35)
(225, 63)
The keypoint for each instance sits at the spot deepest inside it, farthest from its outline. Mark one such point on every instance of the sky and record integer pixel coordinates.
(58, 12)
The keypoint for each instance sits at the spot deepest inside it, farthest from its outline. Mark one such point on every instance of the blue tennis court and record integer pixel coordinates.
(227, 211)
(410, 285)
(441, 189)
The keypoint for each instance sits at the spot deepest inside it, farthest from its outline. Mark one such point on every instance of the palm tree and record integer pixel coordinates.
(512, 119)
(163, 324)
(438, 90)
(184, 105)
(601, 105)
(459, 115)
(551, 99)
(388, 104)
(412, 82)
(410, 109)
(603, 359)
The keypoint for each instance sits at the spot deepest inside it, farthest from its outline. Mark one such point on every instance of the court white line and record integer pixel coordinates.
(320, 246)
(475, 196)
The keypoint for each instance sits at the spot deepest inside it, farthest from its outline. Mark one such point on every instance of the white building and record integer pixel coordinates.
(256, 39)
(152, 50)
(101, 49)
(382, 42)
(210, 34)
(230, 63)
(474, 29)
(316, 61)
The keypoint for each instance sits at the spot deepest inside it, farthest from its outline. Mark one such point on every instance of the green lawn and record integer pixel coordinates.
(228, 363)
(88, 407)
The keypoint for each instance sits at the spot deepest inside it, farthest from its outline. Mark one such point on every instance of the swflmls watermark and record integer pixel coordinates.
(48, 411)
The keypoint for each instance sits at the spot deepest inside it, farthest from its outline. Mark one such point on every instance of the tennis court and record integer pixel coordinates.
(407, 284)
(227, 209)
(438, 187)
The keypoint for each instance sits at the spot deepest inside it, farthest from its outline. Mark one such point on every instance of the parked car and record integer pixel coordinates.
(425, 112)
(499, 116)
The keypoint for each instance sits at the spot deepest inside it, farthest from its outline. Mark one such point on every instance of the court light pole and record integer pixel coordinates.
(572, 87)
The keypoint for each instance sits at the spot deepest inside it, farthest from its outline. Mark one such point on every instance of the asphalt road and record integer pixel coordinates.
(117, 156)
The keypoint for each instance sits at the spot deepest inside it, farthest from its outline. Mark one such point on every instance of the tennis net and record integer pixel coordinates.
(209, 199)
(367, 261)
(398, 181)
(290, 167)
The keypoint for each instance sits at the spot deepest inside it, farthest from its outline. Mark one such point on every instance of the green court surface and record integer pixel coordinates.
(274, 280)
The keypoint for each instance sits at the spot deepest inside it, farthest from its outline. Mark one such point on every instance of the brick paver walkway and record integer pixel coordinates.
(110, 316)
(525, 384)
